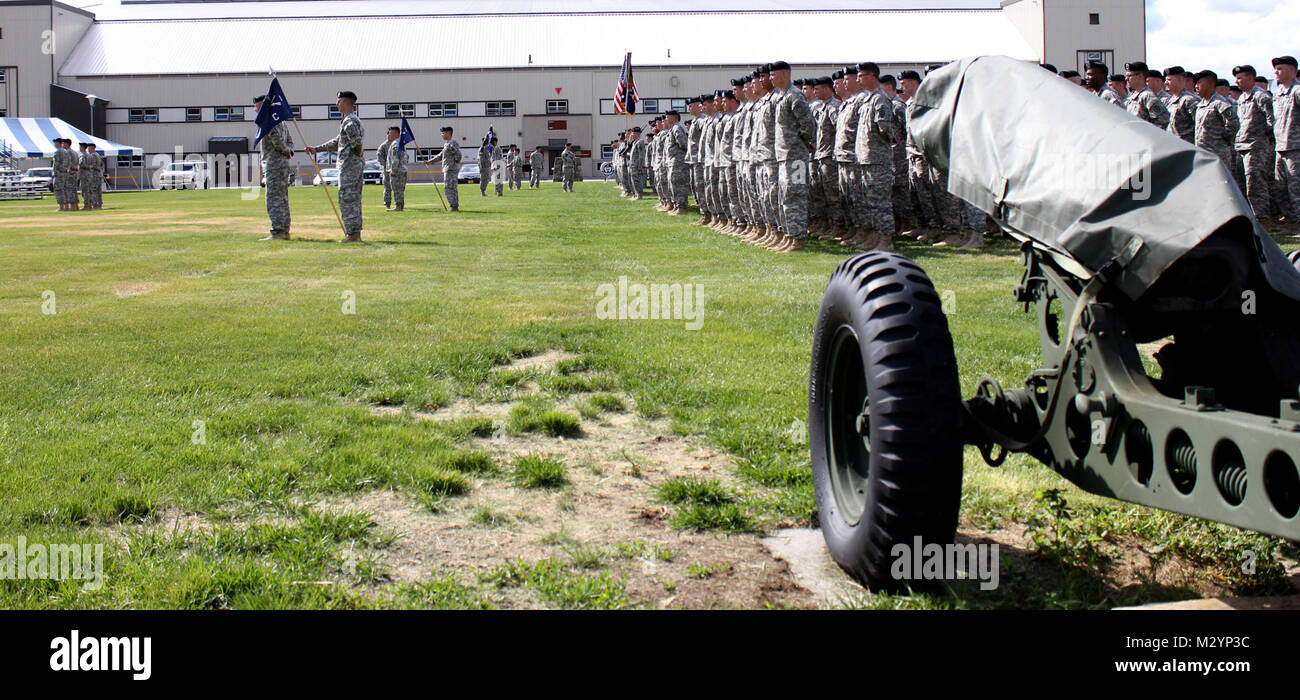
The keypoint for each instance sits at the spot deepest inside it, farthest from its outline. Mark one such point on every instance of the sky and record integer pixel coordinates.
(1196, 34)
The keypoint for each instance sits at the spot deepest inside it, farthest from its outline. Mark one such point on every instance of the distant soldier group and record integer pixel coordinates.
(78, 174)
(775, 160)
(1254, 131)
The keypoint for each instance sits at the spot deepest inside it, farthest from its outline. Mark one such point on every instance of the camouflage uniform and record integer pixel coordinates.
(517, 171)
(538, 163)
(703, 168)
(60, 166)
(764, 155)
(500, 169)
(1147, 106)
(636, 165)
(904, 213)
(846, 137)
(727, 167)
(381, 156)
(568, 164)
(875, 154)
(352, 163)
(1286, 131)
(795, 131)
(1109, 94)
(1182, 116)
(83, 179)
(484, 167)
(72, 181)
(395, 170)
(1255, 148)
(826, 174)
(451, 171)
(95, 179)
(740, 143)
(678, 174)
(1216, 127)
(694, 133)
(277, 148)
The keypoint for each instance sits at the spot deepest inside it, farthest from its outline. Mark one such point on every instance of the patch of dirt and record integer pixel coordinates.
(131, 290)
(547, 360)
(613, 468)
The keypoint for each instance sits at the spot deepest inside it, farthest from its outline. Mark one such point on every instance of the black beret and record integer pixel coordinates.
(779, 65)
(910, 75)
(1048, 66)
(1261, 80)
(1117, 78)
(347, 95)
(730, 95)
(1155, 74)
(798, 82)
(1097, 65)
(869, 68)
(446, 128)
(1174, 71)
(934, 67)
(837, 75)
(719, 93)
(824, 80)
(707, 97)
(1221, 82)
(636, 129)
(737, 82)
(673, 113)
(394, 128)
(850, 70)
(1234, 88)
(1207, 74)
(259, 98)
(1244, 69)
(1285, 61)
(1136, 67)
(1070, 74)
(888, 80)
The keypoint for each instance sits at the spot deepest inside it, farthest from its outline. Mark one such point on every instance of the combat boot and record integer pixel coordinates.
(796, 245)
(867, 241)
(352, 238)
(275, 237)
(974, 241)
(676, 210)
(885, 243)
(949, 240)
(851, 237)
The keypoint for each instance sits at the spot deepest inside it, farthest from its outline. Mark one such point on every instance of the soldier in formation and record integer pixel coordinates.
(66, 173)
(277, 148)
(394, 169)
(450, 158)
(568, 163)
(349, 145)
(537, 161)
(91, 172)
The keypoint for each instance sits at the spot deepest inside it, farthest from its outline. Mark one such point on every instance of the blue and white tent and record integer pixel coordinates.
(33, 137)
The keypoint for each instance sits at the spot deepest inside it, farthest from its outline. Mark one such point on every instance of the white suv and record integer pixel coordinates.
(183, 174)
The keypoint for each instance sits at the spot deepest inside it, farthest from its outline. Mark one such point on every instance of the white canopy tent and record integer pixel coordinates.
(33, 137)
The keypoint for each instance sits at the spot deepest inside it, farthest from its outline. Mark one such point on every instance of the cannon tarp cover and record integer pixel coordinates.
(1050, 160)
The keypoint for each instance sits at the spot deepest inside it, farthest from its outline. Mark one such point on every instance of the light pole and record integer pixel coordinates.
(91, 99)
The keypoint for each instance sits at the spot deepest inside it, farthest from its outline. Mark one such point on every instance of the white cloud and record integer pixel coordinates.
(1218, 34)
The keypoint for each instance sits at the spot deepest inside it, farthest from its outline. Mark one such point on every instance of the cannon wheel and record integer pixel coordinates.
(1294, 257)
(884, 418)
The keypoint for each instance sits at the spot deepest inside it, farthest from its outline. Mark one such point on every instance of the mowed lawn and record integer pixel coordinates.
(160, 362)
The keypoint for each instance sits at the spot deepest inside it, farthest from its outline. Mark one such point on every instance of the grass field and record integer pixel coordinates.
(219, 411)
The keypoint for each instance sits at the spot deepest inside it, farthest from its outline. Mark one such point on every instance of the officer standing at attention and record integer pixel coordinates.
(568, 165)
(538, 163)
(794, 135)
(1143, 103)
(381, 156)
(1255, 141)
(451, 167)
(395, 170)
(352, 163)
(277, 149)
(1286, 131)
(485, 166)
(1216, 118)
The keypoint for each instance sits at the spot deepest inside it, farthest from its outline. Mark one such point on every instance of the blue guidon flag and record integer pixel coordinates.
(626, 97)
(275, 109)
(407, 137)
(487, 139)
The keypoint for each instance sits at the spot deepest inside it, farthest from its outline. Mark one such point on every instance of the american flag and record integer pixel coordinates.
(626, 97)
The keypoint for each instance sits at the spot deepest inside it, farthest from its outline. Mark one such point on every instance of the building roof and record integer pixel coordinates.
(439, 42)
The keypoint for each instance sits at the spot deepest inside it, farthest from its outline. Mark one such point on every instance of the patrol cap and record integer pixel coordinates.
(910, 75)
(347, 95)
(1174, 72)
(779, 65)
(1244, 69)
(1097, 65)
(1284, 61)
(870, 68)
(1136, 67)
(1048, 66)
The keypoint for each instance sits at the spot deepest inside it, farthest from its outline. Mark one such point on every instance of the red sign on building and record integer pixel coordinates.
(557, 125)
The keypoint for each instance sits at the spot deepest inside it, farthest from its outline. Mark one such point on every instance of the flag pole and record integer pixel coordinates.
(435, 180)
(324, 185)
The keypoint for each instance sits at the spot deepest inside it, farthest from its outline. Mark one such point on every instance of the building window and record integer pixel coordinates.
(130, 161)
(335, 113)
(2, 76)
(607, 107)
(557, 106)
(228, 114)
(297, 112)
(427, 153)
(679, 104)
(3, 112)
(193, 114)
(649, 106)
(1094, 18)
(606, 152)
(442, 109)
(400, 110)
(501, 109)
(142, 115)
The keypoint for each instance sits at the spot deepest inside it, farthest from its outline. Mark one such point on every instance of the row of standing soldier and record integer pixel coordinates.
(78, 173)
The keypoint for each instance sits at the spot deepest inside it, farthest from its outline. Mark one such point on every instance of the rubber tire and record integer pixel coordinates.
(1294, 257)
(913, 483)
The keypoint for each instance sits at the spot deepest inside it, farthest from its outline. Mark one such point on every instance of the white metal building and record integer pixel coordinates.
(170, 76)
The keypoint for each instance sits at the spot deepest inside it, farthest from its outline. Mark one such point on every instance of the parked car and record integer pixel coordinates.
(39, 177)
(469, 172)
(330, 175)
(183, 174)
(373, 174)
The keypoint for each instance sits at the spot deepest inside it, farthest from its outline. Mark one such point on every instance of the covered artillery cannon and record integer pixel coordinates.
(1130, 236)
